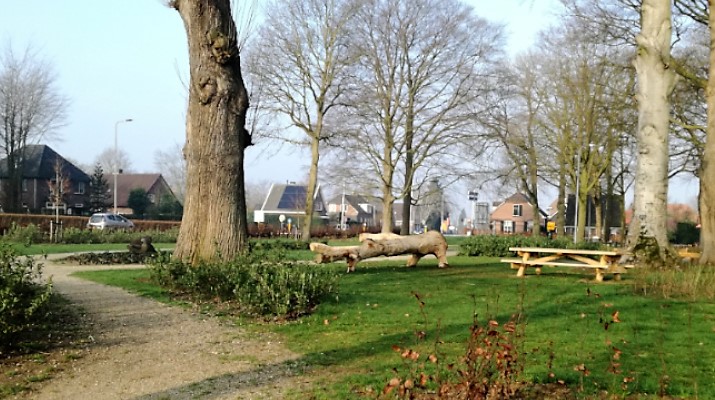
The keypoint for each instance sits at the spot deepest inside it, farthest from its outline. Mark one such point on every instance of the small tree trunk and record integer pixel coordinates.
(214, 225)
(312, 187)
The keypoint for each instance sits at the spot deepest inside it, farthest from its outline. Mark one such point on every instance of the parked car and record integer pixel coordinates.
(109, 221)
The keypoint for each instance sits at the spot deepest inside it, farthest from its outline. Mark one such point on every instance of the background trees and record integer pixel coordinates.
(31, 108)
(419, 74)
(303, 63)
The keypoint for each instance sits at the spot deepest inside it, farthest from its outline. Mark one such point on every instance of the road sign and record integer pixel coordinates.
(474, 196)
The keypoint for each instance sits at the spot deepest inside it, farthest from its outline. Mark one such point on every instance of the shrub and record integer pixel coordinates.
(498, 246)
(26, 235)
(260, 283)
(22, 300)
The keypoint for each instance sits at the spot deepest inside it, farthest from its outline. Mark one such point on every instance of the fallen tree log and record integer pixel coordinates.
(417, 246)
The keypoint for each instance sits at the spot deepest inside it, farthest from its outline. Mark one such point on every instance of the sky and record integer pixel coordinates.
(116, 60)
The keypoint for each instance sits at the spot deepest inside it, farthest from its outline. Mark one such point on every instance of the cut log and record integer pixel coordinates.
(417, 246)
(328, 254)
(378, 236)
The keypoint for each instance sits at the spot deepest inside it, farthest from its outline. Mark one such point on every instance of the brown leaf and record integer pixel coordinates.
(433, 358)
(615, 318)
(423, 379)
(409, 384)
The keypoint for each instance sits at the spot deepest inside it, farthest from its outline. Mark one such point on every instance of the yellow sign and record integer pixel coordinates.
(551, 226)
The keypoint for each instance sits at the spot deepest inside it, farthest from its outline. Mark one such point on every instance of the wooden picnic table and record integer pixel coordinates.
(602, 261)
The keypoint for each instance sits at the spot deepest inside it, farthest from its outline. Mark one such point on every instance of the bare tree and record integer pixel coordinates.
(420, 71)
(655, 84)
(108, 158)
(58, 187)
(31, 109)
(214, 225)
(170, 163)
(302, 63)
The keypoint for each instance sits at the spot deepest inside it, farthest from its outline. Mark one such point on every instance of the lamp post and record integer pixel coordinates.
(116, 157)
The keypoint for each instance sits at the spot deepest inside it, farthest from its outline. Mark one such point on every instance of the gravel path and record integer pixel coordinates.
(146, 350)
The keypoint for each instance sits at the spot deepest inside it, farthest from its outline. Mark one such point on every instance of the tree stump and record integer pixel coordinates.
(417, 246)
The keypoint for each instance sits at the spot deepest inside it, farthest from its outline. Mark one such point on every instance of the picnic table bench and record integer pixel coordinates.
(602, 261)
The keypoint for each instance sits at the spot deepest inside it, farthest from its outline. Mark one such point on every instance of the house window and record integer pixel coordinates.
(508, 227)
(80, 188)
(151, 197)
(517, 210)
(24, 185)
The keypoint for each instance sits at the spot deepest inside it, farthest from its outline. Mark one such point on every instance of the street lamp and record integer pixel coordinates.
(116, 158)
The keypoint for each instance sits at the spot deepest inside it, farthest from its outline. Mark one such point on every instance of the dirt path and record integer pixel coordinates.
(146, 350)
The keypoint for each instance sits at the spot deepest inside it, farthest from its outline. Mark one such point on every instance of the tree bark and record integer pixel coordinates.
(417, 246)
(655, 84)
(214, 225)
(707, 175)
(312, 185)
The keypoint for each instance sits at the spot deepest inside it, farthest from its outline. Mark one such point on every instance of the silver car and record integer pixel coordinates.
(109, 221)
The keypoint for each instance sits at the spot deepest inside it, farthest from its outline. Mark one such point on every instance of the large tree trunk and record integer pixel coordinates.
(214, 225)
(707, 175)
(655, 83)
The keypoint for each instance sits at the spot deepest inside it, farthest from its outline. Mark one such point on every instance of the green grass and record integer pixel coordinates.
(664, 345)
(37, 249)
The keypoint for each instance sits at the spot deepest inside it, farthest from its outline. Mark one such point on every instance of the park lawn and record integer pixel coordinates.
(568, 321)
(53, 248)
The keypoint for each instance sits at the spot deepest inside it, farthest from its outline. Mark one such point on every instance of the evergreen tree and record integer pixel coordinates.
(139, 202)
(98, 190)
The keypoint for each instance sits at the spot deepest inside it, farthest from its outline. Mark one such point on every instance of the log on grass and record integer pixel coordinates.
(417, 246)
(327, 254)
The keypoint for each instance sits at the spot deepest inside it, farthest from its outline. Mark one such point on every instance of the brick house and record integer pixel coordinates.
(154, 185)
(514, 215)
(357, 210)
(38, 172)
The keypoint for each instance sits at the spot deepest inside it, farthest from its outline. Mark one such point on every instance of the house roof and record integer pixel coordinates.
(355, 201)
(290, 198)
(128, 182)
(40, 161)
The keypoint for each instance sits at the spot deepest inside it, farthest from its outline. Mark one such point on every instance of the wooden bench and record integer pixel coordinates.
(688, 254)
(602, 261)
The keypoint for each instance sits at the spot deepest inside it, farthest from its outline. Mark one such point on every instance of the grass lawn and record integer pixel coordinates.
(51, 248)
(568, 321)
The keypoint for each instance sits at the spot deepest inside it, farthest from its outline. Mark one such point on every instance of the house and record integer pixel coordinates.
(513, 215)
(154, 185)
(356, 209)
(610, 211)
(288, 200)
(41, 168)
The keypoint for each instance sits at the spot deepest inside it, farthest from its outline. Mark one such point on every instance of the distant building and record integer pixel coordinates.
(289, 200)
(38, 171)
(514, 215)
(356, 209)
(154, 185)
